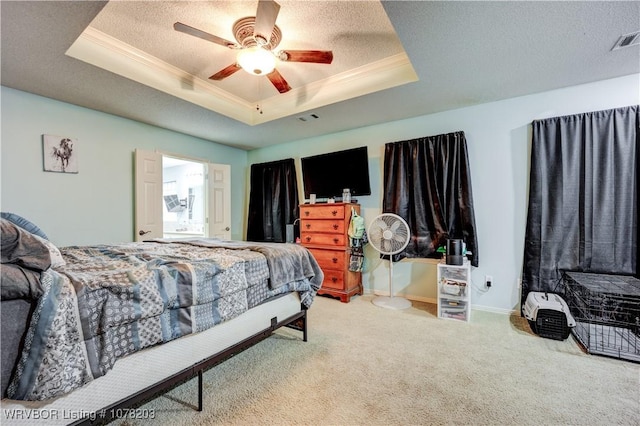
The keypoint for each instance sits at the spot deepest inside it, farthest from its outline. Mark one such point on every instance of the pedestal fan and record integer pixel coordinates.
(389, 234)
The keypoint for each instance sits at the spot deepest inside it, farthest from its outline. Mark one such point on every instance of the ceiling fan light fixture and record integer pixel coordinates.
(256, 60)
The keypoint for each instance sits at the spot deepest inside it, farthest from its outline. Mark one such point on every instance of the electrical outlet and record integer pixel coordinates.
(488, 281)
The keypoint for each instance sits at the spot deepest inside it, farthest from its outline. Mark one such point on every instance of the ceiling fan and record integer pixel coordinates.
(257, 37)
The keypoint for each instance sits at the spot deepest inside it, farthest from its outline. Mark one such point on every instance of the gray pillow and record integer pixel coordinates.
(17, 282)
(24, 224)
(22, 248)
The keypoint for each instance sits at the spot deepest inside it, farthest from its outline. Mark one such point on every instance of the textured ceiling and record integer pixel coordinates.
(464, 53)
(358, 33)
(137, 40)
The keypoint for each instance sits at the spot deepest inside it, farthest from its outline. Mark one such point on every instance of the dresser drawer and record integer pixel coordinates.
(322, 225)
(328, 211)
(333, 279)
(330, 259)
(336, 240)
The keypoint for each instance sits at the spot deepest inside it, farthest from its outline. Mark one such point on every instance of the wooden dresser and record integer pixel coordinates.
(323, 230)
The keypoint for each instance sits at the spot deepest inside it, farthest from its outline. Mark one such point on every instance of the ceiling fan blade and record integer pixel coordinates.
(315, 56)
(225, 72)
(266, 16)
(184, 28)
(278, 81)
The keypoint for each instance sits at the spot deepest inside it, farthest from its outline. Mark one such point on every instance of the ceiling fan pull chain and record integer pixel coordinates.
(258, 107)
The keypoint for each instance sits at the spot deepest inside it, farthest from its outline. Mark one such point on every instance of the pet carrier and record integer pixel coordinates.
(607, 313)
(548, 315)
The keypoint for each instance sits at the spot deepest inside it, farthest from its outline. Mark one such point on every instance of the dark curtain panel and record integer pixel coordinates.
(583, 197)
(273, 200)
(427, 182)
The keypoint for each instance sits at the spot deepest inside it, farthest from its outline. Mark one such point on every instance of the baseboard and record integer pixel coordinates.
(494, 310)
(435, 302)
(406, 296)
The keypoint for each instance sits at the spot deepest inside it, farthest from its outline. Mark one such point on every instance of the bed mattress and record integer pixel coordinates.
(143, 369)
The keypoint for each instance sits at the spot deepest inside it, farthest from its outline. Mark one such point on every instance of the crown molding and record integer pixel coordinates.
(106, 52)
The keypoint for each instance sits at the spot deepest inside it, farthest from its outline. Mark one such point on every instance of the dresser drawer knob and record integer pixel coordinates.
(335, 240)
(335, 226)
(335, 260)
(308, 239)
(308, 226)
(334, 279)
(306, 213)
(335, 212)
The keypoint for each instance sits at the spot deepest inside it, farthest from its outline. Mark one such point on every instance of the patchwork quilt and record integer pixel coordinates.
(109, 301)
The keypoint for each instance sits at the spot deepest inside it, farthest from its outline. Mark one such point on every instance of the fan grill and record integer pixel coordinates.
(389, 233)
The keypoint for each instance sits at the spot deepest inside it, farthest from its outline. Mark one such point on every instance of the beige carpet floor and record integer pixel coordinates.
(365, 365)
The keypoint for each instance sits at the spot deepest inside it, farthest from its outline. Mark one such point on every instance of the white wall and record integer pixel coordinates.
(499, 139)
(97, 204)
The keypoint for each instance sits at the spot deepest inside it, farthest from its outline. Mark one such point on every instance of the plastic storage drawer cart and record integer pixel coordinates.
(607, 313)
(548, 315)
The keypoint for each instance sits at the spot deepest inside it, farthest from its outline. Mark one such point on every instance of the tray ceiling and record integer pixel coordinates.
(137, 40)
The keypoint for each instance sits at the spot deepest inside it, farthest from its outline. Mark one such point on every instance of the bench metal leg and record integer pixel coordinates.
(199, 390)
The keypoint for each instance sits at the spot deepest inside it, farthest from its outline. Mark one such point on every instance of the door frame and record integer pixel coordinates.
(212, 192)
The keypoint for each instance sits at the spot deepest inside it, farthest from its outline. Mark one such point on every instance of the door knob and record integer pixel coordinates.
(227, 229)
(141, 232)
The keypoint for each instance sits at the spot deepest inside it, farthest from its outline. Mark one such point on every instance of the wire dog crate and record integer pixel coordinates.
(607, 313)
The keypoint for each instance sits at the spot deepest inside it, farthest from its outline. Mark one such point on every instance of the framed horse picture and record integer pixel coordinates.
(59, 154)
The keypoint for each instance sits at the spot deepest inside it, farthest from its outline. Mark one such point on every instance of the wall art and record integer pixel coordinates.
(60, 154)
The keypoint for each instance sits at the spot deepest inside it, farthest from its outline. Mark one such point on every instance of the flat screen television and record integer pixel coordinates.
(326, 175)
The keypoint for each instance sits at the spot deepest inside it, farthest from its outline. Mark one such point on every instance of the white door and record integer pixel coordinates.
(219, 217)
(148, 195)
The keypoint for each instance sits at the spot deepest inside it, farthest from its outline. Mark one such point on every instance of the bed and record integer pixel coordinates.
(77, 321)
